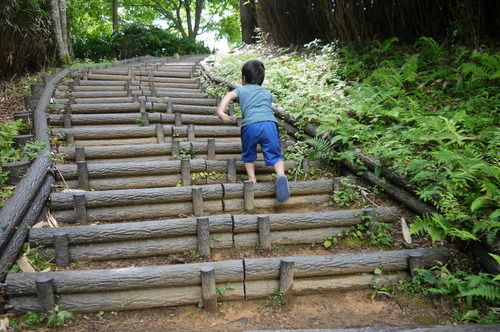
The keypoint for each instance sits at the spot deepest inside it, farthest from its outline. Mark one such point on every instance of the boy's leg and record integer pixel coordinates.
(279, 168)
(250, 167)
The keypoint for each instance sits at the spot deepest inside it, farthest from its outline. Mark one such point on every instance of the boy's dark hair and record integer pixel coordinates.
(254, 72)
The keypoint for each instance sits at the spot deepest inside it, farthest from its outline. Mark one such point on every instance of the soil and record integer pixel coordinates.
(316, 311)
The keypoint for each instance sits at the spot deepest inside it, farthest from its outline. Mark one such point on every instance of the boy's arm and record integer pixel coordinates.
(224, 103)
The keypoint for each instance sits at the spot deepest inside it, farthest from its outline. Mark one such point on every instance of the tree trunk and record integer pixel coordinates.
(248, 21)
(58, 16)
(115, 15)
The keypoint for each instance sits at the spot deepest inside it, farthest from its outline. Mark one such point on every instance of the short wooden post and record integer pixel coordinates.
(203, 233)
(45, 293)
(282, 148)
(286, 279)
(211, 149)
(197, 197)
(142, 105)
(17, 171)
(80, 153)
(160, 133)
(218, 100)
(208, 289)
(416, 262)
(231, 109)
(70, 138)
(231, 171)
(190, 131)
(248, 196)
(371, 216)
(21, 140)
(170, 107)
(177, 119)
(239, 120)
(83, 175)
(80, 208)
(264, 233)
(61, 246)
(67, 120)
(145, 118)
(306, 166)
(337, 184)
(176, 148)
(185, 172)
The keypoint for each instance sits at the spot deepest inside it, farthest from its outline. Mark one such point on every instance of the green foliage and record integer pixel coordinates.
(428, 112)
(33, 321)
(276, 299)
(221, 290)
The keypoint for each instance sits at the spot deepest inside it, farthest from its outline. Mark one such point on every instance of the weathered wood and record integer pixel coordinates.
(323, 265)
(130, 278)
(203, 234)
(197, 199)
(428, 328)
(264, 233)
(61, 246)
(259, 289)
(248, 196)
(80, 208)
(45, 293)
(13, 241)
(286, 279)
(237, 205)
(17, 170)
(83, 175)
(416, 262)
(130, 231)
(209, 293)
(23, 196)
(307, 220)
(297, 188)
(185, 172)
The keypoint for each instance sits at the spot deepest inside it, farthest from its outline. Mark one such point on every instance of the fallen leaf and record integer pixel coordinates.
(405, 230)
(25, 265)
(51, 220)
(41, 224)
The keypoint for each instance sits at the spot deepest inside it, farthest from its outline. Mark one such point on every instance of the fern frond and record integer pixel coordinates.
(490, 292)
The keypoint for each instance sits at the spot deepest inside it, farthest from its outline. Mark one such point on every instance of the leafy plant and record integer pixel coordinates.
(276, 299)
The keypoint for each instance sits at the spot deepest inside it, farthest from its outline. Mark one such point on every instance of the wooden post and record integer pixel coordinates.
(248, 196)
(80, 208)
(231, 171)
(176, 148)
(231, 109)
(305, 166)
(160, 134)
(208, 290)
(145, 118)
(21, 140)
(264, 233)
(203, 233)
(239, 120)
(45, 293)
(170, 107)
(185, 172)
(177, 119)
(190, 131)
(211, 149)
(197, 196)
(286, 279)
(70, 138)
(80, 153)
(83, 175)
(142, 105)
(218, 100)
(67, 120)
(282, 148)
(416, 262)
(17, 171)
(61, 246)
(371, 216)
(337, 184)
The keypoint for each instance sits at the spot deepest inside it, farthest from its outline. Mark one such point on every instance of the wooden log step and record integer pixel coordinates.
(145, 287)
(225, 223)
(120, 151)
(132, 118)
(108, 94)
(190, 101)
(89, 133)
(106, 171)
(136, 107)
(93, 199)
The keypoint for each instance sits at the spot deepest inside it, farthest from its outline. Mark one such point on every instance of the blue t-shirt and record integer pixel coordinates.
(255, 103)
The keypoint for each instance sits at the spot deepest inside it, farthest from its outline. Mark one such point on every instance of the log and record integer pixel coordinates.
(307, 220)
(237, 205)
(324, 265)
(297, 188)
(129, 278)
(23, 196)
(259, 289)
(130, 231)
(14, 241)
(139, 212)
(209, 293)
(128, 299)
(17, 170)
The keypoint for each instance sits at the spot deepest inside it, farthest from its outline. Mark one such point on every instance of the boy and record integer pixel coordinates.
(259, 125)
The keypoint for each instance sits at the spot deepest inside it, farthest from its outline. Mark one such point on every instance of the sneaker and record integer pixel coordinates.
(282, 190)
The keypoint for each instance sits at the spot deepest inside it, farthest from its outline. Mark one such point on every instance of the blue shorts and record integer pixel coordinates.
(264, 133)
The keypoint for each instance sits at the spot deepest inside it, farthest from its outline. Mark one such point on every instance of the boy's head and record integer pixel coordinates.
(253, 72)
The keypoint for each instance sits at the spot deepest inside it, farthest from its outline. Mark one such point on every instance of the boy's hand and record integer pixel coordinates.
(224, 117)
